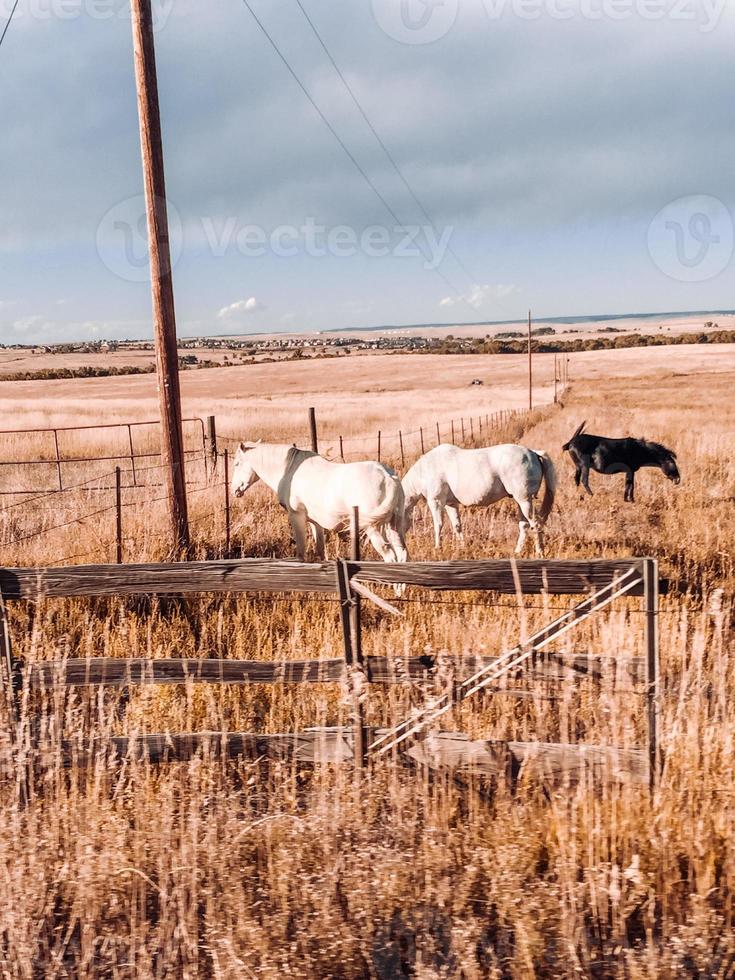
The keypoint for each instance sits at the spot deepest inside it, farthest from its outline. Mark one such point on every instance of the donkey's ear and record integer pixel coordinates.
(579, 430)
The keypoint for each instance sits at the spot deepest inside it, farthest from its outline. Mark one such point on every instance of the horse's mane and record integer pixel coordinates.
(657, 450)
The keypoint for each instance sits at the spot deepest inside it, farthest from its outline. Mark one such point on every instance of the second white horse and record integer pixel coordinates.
(448, 476)
(321, 494)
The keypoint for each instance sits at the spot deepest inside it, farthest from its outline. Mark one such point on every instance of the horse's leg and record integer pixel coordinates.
(454, 519)
(297, 520)
(317, 533)
(397, 541)
(381, 545)
(436, 508)
(528, 520)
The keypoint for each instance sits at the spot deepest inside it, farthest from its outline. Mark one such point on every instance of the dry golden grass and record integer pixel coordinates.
(233, 870)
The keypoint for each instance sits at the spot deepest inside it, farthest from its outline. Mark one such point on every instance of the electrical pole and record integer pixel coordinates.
(530, 367)
(164, 315)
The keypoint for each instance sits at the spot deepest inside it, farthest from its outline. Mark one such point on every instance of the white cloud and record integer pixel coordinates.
(240, 308)
(479, 295)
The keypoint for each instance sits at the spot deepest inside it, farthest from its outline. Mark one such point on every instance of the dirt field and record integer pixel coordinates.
(238, 870)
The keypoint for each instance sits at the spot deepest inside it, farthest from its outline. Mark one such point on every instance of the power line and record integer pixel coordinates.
(341, 142)
(7, 24)
(377, 136)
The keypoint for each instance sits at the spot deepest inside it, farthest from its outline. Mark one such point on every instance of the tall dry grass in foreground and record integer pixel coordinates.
(229, 870)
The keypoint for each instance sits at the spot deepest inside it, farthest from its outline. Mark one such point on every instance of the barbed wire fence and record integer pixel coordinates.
(129, 485)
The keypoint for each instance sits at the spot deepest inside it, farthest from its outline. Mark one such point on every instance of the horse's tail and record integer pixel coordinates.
(549, 476)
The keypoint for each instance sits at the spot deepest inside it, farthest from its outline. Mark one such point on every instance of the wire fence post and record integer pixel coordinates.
(379, 435)
(400, 443)
(118, 517)
(211, 443)
(341, 449)
(58, 459)
(452, 429)
(438, 435)
(132, 455)
(227, 502)
(421, 433)
(313, 431)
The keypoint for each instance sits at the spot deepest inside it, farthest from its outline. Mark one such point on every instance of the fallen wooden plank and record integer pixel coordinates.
(310, 747)
(169, 578)
(545, 760)
(535, 576)
(127, 671)
(326, 746)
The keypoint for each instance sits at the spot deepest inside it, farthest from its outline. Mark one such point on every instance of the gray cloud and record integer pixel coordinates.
(513, 133)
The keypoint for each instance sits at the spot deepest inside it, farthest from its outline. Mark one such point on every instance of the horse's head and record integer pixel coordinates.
(243, 472)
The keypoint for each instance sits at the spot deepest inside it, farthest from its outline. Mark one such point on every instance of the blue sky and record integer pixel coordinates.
(545, 138)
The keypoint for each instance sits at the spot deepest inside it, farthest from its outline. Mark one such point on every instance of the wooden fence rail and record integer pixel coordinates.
(523, 577)
(127, 671)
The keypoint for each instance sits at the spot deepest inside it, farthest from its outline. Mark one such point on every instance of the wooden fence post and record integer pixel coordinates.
(421, 433)
(438, 435)
(379, 445)
(118, 517)
(350, 612)
(400, 443)
(651, 597)
(227, 503)
(9, 667)
(452, 429)
(472, 431)
(341, 449)
(312, 431)
(212, 442)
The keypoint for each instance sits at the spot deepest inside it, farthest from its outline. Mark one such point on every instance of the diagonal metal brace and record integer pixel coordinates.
(507, 662)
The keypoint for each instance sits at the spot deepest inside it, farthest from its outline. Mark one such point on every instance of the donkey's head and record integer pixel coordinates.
(665, 458)
(565, 447)
(243, 472)
(669, 467)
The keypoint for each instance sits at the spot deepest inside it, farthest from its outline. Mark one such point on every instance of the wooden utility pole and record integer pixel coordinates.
(164, 316)
(530, 367)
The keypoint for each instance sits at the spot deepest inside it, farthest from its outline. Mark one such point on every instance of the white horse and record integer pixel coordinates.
(448, 476)
(321, 494)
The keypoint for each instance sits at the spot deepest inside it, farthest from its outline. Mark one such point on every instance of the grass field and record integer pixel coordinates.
(232, 870)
